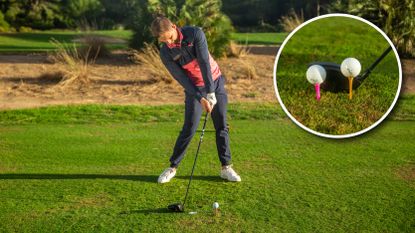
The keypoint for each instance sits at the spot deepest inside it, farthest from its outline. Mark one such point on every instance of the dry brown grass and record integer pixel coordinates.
(50, 77)
(149, 57)
(75, 65)
(248, 69)
(93, 46)
(238, 51)
(292, 20)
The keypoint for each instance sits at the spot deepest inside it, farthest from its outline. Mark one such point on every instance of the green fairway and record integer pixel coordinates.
(94, 168)
(259, 38)
(324, 41)
(39, 41)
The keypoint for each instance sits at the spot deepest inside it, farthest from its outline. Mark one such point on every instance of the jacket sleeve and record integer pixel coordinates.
(177, 72)
(202, 55)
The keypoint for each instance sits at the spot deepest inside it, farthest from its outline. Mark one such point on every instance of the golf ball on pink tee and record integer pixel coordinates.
(316, 74)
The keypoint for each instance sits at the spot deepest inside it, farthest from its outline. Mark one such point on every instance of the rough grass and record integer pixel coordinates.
(94, 169)
(102, 114)
(334, 39)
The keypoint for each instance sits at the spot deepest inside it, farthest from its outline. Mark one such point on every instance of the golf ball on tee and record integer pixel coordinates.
(215, 205)
(316, 74)
(350, 67)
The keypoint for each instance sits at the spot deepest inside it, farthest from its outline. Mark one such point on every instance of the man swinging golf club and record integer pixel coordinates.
(185, 54)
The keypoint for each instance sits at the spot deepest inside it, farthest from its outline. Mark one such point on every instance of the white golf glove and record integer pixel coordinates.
(212, 99)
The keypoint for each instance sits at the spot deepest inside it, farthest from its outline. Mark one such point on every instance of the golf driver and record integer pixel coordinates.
(178, 207)
(337, 82)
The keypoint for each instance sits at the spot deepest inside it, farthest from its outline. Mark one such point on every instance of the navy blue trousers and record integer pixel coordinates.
(193, 112)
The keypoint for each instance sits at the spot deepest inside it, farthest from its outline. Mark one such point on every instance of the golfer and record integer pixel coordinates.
(185, 54)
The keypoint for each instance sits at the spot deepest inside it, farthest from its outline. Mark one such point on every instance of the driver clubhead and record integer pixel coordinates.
(335, 80)
(177, 207)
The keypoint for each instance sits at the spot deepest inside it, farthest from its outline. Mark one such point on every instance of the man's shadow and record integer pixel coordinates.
(44, 176)
(142, 178)
(148, 211)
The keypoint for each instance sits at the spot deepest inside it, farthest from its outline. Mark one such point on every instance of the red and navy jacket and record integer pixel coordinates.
(189, 61)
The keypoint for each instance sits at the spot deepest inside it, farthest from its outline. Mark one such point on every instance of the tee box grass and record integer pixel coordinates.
(94, 168)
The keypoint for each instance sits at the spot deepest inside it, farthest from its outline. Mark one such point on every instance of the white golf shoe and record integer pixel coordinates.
(228, 173)
(167, 175)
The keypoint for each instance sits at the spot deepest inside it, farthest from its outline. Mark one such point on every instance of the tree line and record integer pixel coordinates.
(395, 17)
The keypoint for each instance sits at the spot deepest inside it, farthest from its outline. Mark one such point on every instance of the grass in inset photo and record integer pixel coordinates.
(334, 39)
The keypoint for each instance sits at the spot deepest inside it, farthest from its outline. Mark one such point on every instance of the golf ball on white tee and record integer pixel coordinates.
(316, 74)
(350, 67)
(215, 205)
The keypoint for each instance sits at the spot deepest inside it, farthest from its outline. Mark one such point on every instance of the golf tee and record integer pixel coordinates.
(216, 211)
(317, 88)
(350, 87)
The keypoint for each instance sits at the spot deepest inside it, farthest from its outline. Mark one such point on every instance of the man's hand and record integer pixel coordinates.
(206, 105)
(211, 97)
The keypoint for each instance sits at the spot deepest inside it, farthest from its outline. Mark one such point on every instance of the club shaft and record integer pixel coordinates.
(369, 70)
(194, 163)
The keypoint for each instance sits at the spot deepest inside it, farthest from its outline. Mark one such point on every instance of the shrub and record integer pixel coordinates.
(395, 17)
(93, 46)
(205, 14)
(4, 26)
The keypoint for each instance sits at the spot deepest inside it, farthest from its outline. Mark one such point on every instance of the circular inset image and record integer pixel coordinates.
(337, 76)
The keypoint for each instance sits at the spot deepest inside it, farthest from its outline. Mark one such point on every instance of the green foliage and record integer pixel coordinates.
(205, 14)
(399, 23)
(4, 25)
(395, 17)
(140, 24)
(167, 8)
(83, 13)
(118, 13)
(39, 14)
(43, 14)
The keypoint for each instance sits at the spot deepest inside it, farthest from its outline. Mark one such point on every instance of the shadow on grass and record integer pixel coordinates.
(205, 178)
(148, 211)
(144, 178)
(55, 78)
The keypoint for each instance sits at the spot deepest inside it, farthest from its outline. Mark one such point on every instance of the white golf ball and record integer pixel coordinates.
(316, 74)
(350, 67)
(215, 205)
